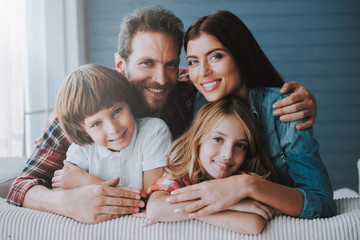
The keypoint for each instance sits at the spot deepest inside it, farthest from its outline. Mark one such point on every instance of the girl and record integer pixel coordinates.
(95, 107)
(225, 59)
(222, 141)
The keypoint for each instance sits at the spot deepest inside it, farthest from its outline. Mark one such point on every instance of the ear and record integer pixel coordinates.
(120, 63)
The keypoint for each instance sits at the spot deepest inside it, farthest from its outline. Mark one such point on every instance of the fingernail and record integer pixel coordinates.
(275, 106)
(142, 204)
(169, 199)
(191, 215)
(138, 197)
(282, 118)
(275, 112)
(136, 210)
(299, 127)
(177, 210)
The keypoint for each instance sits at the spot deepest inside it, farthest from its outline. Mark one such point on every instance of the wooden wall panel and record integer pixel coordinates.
(313, 42)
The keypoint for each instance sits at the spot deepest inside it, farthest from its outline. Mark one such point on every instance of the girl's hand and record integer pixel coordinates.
(252, 206)
(142, 214)
(300, 104)
(69, 177)
(212, 196)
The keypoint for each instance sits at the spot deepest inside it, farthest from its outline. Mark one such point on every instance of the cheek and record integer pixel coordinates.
(193, 75)
(240, 157)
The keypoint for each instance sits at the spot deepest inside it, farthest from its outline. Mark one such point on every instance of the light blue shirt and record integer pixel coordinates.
(295, 154)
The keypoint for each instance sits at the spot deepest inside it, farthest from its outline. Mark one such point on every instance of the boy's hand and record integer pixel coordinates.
(300, 104)
(69, 177)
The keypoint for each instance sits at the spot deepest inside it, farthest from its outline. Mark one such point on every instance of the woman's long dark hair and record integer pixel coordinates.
(255, 68)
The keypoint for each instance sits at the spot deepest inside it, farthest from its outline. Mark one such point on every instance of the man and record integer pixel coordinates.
(149, 47)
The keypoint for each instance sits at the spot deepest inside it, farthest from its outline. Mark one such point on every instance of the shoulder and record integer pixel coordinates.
(262, 94)
(85, 149)
(150, 123)
(151, 126)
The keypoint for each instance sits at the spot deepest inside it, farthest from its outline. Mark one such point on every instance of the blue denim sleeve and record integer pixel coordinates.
(307, 171)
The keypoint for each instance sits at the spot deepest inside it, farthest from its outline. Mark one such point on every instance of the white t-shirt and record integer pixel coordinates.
(147, 150)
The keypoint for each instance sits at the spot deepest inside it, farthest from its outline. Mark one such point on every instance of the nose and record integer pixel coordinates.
(204, 69)
(113, 127)
(160, 76)
(226, 151)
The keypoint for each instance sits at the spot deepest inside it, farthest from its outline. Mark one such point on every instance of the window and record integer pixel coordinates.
(42, 42)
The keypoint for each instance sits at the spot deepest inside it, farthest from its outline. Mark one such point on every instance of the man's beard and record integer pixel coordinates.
(146, 108)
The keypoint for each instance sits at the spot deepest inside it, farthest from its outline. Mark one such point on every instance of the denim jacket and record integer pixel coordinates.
(295, 154)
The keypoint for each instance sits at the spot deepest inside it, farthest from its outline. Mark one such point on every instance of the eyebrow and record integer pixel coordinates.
(209, 52)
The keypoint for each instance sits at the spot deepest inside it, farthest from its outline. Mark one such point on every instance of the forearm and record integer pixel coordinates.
(43, 199)
(158, 209)
(287, 200)
(241, 222)
(87, 179)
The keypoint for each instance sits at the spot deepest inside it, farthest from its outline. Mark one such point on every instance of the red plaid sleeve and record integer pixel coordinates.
(169, 184)
(45, 160)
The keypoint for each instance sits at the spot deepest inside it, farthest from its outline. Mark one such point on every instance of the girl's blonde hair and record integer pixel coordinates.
(183, 158)
(85, 92)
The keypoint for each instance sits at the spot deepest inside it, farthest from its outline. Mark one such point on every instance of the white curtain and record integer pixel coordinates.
(13, 76)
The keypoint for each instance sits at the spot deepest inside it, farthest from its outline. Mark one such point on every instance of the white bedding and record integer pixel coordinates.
(21, 223)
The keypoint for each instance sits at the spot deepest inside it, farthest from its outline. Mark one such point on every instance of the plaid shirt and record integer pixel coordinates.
(49, 156)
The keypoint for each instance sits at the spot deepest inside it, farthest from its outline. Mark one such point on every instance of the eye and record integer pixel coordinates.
(117, 111)
(216, 56)
(96, 124)
(172, 65)
(218, 139)
(148, 63)
(192, 62)
(241, 146)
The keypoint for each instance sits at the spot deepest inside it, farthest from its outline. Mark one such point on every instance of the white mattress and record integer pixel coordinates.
(21, 223)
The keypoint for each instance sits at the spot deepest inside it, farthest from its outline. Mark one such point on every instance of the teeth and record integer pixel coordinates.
(155, 90)
(211, 84)
(221, 165)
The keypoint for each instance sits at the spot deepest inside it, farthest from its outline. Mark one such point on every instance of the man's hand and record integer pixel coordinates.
(211, 196)
(300, 104)
(100, 202)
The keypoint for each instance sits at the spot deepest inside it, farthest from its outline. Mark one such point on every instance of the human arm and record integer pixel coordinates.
(296, 156)
(219, 194)
(301, 104)
(89, 204)
(156, 143)
(72, 176)
(158, 209)
(47, 157)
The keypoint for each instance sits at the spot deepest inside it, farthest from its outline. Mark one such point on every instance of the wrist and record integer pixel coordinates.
(249, 185)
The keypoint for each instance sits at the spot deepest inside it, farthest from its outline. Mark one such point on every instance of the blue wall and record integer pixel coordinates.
(316, 43)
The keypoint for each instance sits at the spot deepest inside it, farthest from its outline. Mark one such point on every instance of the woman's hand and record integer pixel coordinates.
(252, 206)
(211, 196)
(300, 104)
(69, 177)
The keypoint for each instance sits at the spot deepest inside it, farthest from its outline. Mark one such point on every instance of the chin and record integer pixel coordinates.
(212, 97)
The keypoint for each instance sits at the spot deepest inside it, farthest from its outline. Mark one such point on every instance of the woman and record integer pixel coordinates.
(225, 59)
